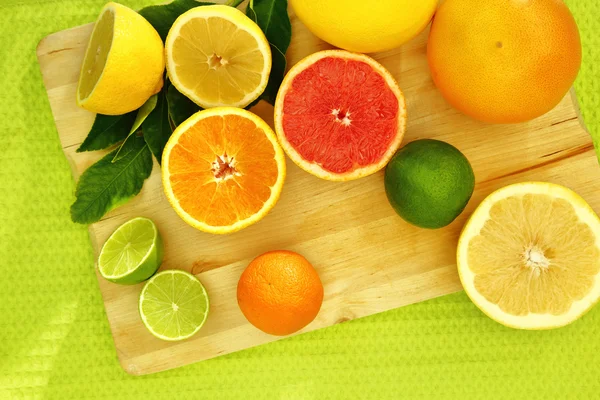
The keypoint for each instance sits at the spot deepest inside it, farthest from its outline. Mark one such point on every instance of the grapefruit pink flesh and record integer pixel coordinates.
(341, 114)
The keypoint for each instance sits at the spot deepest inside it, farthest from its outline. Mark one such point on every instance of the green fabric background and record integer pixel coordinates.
(55, 342)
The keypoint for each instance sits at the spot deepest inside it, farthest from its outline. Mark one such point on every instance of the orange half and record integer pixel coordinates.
(223, 170)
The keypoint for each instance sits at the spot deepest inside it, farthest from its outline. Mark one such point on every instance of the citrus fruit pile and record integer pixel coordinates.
(529, 256)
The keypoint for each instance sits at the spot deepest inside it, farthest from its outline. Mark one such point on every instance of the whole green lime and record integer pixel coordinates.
(429, 183)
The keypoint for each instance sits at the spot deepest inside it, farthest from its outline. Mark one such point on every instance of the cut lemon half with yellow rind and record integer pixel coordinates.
(217, 56)
(529, 257)
(124, 63)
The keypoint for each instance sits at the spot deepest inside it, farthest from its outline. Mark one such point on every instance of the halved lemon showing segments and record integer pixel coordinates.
(124, 63)
(529, 257)
(223, 170)
(217, 56)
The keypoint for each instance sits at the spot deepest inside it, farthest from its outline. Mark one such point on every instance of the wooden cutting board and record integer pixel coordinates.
(369, 259)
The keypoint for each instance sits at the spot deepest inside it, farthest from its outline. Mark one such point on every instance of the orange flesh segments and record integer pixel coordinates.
(223, 169)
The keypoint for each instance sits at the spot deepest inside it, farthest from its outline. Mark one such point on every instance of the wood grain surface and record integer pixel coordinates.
(368, 258)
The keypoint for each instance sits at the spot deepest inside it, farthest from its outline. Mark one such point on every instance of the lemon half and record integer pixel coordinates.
(217, 56)
(124, 63)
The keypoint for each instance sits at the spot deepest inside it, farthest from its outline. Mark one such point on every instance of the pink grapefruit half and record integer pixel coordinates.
(340, 115)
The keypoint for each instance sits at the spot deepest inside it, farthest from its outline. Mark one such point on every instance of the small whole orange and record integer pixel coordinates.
(280, 292)
(504, 61)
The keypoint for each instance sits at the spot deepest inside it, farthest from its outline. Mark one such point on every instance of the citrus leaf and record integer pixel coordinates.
(142, 114)
(180, 107)
(106, 131)
(276, 77)
(162, 17)
(157, 127)
(234, 3)
(251, 14)
(272, 17)
(255, 102)
(107, 185)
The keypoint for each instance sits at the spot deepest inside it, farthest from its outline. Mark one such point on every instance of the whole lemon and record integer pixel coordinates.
(365, 26)
(504, 61)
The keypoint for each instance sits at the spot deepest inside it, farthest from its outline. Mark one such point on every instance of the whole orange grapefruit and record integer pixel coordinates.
(504, 61)
(280, 292)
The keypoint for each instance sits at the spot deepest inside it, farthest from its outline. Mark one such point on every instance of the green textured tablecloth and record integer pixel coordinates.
(55, 342)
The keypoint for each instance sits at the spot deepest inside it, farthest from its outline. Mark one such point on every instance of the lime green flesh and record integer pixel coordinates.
(429, 183)
(174, 305)
(96, 54)
(132, 254)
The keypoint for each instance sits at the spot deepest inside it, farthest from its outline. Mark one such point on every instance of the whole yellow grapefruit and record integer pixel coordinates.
(365, 26)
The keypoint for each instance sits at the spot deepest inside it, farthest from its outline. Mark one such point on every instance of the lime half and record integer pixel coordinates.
(173, 305)
(132, 253)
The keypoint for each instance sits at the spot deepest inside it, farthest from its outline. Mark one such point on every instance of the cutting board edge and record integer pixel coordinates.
(41, 48)
(44, 48)
(132, 368)
(577, 108)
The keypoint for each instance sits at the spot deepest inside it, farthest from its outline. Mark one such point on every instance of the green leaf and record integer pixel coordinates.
(162, 17)
(234, 3)
(251, 14)
(276, 77)
(180, 106)
(272, 17)
(157, 127)
(255, 102)
(106, 131)
(142, 114)
(107, 185)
